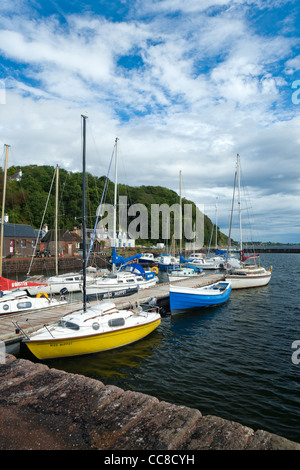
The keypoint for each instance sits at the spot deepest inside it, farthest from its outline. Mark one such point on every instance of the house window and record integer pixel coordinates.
(23, 243)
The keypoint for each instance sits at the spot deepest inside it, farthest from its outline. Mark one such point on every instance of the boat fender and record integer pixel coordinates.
(154, 270)
(42, 294)
(271, 268)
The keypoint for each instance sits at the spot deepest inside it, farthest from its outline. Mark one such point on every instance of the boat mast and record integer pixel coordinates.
(3, 208)
(230, 224)
(115, 199)
(180, 219)
(239, 200)
(56, 224)
(84, 118)
(217, 223)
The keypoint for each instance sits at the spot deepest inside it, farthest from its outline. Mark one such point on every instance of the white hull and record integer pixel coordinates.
(106, 287)
(244, 281)
(72, 282)
(20, 301)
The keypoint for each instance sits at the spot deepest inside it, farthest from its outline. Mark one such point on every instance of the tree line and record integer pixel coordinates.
(32, 199)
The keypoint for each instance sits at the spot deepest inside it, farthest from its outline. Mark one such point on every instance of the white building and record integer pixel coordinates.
(123, 238)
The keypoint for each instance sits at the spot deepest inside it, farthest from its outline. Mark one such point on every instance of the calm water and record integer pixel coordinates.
(233, 361)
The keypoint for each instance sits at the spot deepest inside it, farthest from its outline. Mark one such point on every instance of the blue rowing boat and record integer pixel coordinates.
(184, 298)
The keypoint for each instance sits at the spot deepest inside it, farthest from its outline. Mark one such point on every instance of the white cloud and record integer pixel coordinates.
(207, 87)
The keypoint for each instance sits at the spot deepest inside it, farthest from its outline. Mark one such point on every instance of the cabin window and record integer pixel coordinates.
(24, 305)
(5, 307)
(116, 322)
(68, 324)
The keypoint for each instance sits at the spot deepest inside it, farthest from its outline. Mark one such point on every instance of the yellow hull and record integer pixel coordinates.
(47, 349)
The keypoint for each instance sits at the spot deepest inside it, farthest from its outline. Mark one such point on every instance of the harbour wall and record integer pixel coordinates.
(46, 409)
(21, 265)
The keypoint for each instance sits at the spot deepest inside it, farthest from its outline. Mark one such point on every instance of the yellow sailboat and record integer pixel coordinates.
(95, 329)
(101, 328)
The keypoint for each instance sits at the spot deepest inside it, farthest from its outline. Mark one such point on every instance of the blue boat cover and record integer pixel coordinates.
(119, 260)
(136, 268)
(183, 260)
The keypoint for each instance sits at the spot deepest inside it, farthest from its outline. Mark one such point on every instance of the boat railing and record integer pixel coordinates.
(19, 329)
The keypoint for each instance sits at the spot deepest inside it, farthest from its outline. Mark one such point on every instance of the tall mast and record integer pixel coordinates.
(239, 200)
(84, 118)
(180, 219)
(56, 224)
(115, 198)
(3, 208)
(230, 224)
(217, 223)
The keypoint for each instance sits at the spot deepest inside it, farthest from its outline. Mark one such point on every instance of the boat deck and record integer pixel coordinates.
(30, 321)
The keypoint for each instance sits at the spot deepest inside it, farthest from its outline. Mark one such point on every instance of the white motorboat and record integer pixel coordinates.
(201, 261)
(148, 259)
(167, 262)
(184, 272)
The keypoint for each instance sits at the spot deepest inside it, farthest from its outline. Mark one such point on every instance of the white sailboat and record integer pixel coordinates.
(14, 295)
(71, 281)
(19, 301)
(95, 329)
(248, 274)
(129, 277)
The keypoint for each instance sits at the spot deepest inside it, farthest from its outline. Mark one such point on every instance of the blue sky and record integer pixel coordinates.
(184, 85)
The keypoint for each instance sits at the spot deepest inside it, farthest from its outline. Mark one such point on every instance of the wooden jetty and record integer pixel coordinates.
(12, 324)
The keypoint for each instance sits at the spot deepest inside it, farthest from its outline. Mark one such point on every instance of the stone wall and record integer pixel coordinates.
(47, 409)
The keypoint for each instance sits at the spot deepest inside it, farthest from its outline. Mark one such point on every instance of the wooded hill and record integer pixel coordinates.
(26, 200)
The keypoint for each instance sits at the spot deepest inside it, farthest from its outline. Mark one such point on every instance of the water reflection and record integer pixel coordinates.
(116, 363)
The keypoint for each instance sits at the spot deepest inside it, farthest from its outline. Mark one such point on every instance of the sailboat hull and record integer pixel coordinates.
(77, 346)
(247, 281)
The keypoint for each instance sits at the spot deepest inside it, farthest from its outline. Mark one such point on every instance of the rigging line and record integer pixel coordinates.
(99, 208)
(40, 229)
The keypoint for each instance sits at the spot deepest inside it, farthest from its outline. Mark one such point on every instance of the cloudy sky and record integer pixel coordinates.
(184, 85)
